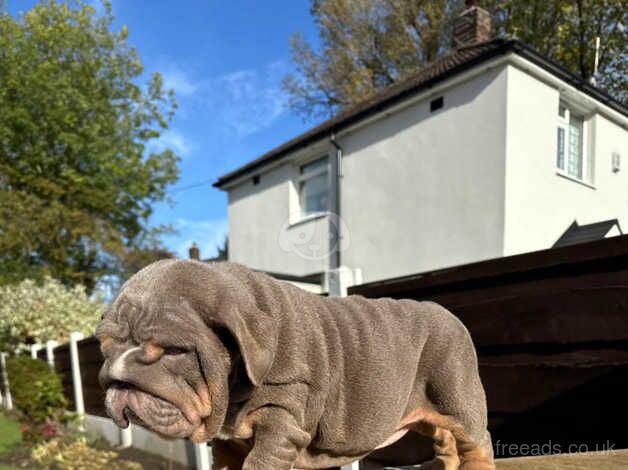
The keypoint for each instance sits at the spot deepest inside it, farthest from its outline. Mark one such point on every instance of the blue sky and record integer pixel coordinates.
(225, 61)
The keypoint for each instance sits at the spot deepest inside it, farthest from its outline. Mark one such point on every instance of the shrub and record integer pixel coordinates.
(35, 313)
(37, 393)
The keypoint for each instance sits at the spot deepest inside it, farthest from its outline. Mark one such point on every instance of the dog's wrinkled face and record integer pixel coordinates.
(178, 332)
(164, 368)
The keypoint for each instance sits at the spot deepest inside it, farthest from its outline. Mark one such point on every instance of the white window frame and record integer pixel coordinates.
(299, 215)
(562, 122)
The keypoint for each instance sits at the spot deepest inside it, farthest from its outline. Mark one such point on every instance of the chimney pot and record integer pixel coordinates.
(194, 252)
(472, 25)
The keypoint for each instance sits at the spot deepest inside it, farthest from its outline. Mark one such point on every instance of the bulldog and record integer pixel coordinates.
(279, 378)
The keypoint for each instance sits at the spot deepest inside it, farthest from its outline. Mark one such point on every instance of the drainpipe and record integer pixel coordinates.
(335, 173)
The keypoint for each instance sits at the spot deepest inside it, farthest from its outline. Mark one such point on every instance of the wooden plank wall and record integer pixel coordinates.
(63, 367)
(41, 353)
(91, 362)
(551, 330)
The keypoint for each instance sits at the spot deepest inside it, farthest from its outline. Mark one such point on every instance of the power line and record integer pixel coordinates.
(189, 186)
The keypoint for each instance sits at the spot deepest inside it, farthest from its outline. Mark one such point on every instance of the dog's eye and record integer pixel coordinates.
(174, 351)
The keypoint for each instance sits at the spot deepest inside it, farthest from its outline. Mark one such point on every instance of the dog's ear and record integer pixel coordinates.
(256, 334)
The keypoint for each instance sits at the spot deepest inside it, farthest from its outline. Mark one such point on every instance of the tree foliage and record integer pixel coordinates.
(366, 45)
(77, 174)
(35, 313)
(565, 30)
(141, 256)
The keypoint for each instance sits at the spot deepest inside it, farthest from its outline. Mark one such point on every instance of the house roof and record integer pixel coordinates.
(314, 278)
(586, 233)
(453, 63)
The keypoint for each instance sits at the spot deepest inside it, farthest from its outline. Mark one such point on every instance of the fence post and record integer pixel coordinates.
(50, 353)
(8, 401)
(338, 280)
(201, 455)
(77, 382)
(351, 466)
(34, 349)
(126, 436)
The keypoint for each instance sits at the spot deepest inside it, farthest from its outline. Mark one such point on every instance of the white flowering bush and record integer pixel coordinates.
(35, 313)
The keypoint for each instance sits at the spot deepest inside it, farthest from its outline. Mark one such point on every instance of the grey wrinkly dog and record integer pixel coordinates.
(281, 378)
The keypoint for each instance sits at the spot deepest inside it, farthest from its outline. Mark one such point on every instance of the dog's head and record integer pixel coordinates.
(181, 341)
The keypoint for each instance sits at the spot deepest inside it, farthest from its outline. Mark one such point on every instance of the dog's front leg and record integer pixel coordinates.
(277, 440)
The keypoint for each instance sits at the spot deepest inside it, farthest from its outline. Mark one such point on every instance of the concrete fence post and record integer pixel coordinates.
(7, 402)
(77, 382)
(201, 455)
(340, 279)
(50, 353)
(34, 350)
(126, 436)
(351, 466)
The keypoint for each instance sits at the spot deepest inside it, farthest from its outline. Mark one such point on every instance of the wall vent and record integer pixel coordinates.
(616, 161)
(436, 103)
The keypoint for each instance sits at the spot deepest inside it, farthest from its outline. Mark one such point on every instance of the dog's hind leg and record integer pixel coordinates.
(452, 434)
(453, 388)
(228, 455)
(453, 448)
(446, 453)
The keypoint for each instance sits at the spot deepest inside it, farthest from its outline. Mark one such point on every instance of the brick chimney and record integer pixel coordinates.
(472, 25)
(194, 252)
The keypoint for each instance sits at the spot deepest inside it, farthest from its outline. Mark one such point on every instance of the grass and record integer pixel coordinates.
(10, 435)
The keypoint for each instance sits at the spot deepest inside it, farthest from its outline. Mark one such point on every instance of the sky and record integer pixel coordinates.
(225, 61)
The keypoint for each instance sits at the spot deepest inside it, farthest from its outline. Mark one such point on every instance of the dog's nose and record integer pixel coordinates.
(119, 368)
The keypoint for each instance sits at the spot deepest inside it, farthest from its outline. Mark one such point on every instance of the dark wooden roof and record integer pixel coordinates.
(453, 63)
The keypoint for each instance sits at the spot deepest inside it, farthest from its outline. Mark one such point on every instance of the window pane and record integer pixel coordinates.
(560, 149)
(574, 151)
(311, 167)
(313, 194)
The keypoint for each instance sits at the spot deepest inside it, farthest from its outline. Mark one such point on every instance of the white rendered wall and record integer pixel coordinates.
(540, 204)
(261, 235)
(424, 190)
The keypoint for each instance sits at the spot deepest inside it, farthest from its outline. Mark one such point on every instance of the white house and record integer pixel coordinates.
(491, 150)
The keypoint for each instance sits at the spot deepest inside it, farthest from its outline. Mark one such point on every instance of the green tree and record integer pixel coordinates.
(139, 257)
(366, 45)
(566, 31)
(77, 176)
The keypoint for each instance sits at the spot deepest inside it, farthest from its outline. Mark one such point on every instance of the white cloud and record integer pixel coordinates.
(242, 102)
(207, 234)
(178, 80)
(250, 100)
(174, 140)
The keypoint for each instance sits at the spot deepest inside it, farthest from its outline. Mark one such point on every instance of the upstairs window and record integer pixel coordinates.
(570, 158)
(313, 186)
